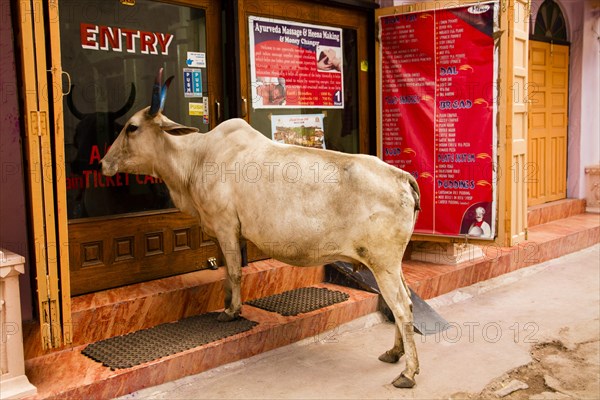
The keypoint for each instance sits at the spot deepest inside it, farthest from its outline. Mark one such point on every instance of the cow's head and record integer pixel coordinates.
(141, 143)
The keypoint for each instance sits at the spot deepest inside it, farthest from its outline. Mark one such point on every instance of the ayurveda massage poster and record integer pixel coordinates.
(437, 87)
(295, 65)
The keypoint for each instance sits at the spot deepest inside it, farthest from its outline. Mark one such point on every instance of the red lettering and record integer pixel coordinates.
(98, 180)
(89, 36)
(110, 38)
(87, 174)
(148, 179)
(95, 154)
(148, 43)
(77, 182)
(139, 179)
(164, 40)
(130, 35)
(109, 181)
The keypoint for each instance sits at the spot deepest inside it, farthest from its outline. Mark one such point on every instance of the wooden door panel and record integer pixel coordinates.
(548, 120)
(112, 253)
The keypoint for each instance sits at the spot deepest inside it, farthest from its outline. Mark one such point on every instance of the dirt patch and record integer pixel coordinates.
(556, 372)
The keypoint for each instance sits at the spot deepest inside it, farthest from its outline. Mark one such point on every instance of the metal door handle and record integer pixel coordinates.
(218, 110)
(244, 107)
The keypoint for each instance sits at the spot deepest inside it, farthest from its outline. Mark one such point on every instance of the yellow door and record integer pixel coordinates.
(548, 94)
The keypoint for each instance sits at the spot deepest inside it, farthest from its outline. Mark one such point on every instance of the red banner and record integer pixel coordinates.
(437, 114)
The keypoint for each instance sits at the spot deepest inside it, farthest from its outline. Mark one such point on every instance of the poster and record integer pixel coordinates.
(302, 130)
(295, 65)
(438, 113)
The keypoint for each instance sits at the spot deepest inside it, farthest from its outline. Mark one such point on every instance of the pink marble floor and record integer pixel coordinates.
(545, 242)
(68, 374)
(553, 211)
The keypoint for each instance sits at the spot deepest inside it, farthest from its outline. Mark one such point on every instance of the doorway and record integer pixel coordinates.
(125, 229)
(548, 106)
(547, 143)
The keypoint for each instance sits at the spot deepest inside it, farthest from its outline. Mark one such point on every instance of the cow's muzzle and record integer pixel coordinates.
(109, 168)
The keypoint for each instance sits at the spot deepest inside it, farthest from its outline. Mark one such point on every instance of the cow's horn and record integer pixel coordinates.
(163, 92)
(156, 94)
(127, 105)
(79, 115)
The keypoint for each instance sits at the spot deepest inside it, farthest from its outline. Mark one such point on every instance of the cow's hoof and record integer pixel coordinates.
(403, 382)
(390, 357)
(226, 317)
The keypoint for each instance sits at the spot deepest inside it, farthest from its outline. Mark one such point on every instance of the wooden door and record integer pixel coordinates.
(548, 107)
(303, 25)
(124, 229)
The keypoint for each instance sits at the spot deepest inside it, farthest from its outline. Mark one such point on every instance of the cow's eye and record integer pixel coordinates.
(131, 128)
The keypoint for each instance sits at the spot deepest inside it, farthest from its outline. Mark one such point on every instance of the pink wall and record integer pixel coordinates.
(13, 215)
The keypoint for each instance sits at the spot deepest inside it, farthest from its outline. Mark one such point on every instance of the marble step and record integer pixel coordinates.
(119, 311)
(69, 374)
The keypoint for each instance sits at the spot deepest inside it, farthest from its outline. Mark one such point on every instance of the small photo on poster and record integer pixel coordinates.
(271, 90)
(301, 130)
(329, 59)
(477, 221)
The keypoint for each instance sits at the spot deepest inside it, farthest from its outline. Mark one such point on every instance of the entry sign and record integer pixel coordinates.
(192, 82)
(437, 119)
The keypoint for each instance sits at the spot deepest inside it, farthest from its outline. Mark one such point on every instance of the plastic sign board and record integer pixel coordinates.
(437, 110)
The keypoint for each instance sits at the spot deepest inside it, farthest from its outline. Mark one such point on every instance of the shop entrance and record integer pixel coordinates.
(547, 142)
(125, 229)
(548, 106)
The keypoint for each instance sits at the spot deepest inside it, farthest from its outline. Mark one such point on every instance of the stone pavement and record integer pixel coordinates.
(494, 327)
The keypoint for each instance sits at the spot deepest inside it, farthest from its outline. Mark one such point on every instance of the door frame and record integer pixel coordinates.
(43, 90)
(131, 248)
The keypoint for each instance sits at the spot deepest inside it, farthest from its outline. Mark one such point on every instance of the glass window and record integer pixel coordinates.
(287, 61)
(112, 53)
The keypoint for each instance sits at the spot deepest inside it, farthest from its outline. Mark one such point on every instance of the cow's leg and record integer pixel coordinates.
(395, 353)
(233, 280)
(397, 296)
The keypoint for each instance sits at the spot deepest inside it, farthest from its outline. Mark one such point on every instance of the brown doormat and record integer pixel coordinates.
(163, 340)
(298, 301)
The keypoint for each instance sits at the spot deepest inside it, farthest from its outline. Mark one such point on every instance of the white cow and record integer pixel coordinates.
(299, 205)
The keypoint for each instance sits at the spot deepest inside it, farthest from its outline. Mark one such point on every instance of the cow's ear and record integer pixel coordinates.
(173, 128)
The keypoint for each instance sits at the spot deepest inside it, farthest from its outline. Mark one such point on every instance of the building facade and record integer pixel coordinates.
(73, 72)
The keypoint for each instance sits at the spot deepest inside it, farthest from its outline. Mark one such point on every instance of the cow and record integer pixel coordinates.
(300, 205)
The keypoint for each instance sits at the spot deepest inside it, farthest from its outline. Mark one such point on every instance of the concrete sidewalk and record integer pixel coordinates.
(494, 327)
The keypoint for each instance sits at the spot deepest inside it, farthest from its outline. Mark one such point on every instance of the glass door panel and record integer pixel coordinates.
(289, 57)
(124, 229)
(112, 53)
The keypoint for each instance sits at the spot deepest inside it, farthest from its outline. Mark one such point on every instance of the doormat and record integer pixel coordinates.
(299, 301)
(163, 340)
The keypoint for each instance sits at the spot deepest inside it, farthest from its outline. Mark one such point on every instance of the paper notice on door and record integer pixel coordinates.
(196, 109)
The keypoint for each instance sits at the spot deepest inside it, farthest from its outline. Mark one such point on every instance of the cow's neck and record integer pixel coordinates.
(184, 154)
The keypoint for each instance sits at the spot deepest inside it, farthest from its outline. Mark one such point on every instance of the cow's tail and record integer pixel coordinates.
(416, 193)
